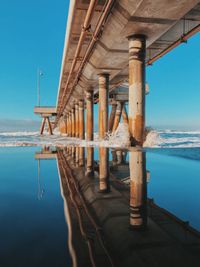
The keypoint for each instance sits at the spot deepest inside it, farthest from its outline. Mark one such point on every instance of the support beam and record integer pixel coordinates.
(73, 121)
(103, 104)
(138, 190)
(124, 114)
(112, 116)
(89, 115)
(49, 126)
(42, 126)
(77, 120)
(137, 49)
(118, 114)
(81, 120)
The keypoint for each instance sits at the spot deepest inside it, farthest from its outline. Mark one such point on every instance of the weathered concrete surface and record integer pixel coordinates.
(162, 22)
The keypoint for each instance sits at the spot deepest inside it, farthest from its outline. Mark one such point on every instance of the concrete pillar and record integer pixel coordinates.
(77, 120)
(63, 126)
(81, 120)
(124, 114)
(138, 190)
(137, 49)
(90, 162)
(118, 114)
(69, 124)
(112, 116)
(89, 115)
(73, 121)
(103, 104)
(104, 186)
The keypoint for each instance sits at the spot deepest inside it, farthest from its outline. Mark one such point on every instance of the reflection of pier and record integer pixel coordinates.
(113, 224)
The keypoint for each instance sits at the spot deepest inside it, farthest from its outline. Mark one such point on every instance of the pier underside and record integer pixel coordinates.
(108, 46)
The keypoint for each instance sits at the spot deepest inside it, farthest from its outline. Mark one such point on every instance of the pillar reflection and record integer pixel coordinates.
(90, 162)
(104, 170)
(81, 156)
(138, 190)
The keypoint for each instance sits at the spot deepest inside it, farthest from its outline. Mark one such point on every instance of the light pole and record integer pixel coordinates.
(39, 74)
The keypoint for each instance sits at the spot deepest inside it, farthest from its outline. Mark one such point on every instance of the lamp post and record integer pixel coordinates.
(39, 75)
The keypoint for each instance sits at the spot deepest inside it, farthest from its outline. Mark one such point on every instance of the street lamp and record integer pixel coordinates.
(39, 75)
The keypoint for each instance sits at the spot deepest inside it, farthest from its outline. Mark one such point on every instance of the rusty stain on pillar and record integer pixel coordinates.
(81, 120)
(76, 119)
(112, 116)
(137, 50)
(138, 190)
(103, 104)
(89, 115)
(104, 186)
(124, 114)
(118, 114)
(90, 162)
(73, 121)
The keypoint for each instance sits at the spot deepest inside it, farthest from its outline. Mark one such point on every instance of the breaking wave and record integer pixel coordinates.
(155, 139)
(173, 139)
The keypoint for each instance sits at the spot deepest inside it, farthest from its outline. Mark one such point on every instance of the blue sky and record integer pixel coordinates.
(32, 35)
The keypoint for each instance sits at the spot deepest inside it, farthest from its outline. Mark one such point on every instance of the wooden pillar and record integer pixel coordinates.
(112, 116)
(81, 120)
(90, 162)
(42, 125)
(118, 114)
(73, 121)
(137, 49)
(76, 120)
(89, 115)
(124, 114)
(103, 104)
(103, 170)
(138, 190)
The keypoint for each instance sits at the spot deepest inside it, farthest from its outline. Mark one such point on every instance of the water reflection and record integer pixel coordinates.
(106, 207)
(138, 190)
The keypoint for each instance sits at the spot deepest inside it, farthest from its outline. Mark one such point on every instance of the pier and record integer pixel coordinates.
(107, 48)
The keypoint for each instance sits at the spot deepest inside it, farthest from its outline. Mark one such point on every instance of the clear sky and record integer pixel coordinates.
(32, 35)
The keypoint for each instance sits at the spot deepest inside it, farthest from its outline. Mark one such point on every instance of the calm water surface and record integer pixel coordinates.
(33, 228)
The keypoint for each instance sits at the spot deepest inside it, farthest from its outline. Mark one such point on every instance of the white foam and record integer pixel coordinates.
(153, 139)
